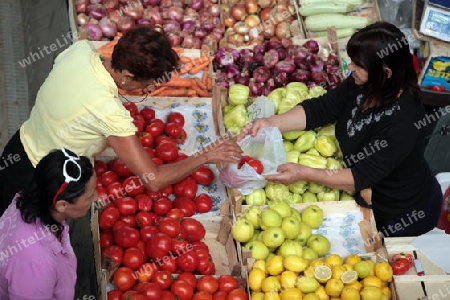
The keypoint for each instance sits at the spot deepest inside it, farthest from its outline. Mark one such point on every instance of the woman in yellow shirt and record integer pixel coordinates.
(78, 107)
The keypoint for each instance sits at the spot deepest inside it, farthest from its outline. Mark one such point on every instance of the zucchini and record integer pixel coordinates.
(340, 33)
(352, 2)
(323, 21)
(324, 8)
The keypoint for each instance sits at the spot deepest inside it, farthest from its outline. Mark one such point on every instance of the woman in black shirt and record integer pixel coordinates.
(380, 127)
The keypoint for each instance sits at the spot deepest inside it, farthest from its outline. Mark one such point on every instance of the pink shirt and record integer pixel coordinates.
(34, 265)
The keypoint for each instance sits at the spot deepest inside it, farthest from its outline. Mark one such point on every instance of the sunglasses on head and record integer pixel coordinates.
(67, 178)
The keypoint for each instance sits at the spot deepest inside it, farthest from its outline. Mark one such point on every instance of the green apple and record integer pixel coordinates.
(282, 208)
(270, 218)
(309, 254)
(253, 216)
(242, 230)
(258, 249)
(290, 247)
(319, 243)
(313, 216)
(288, 146)
(295, 214)
(271, 254)
(273, 236)
(308, 197)
(305, 232)
(290, 227)
(257, 235)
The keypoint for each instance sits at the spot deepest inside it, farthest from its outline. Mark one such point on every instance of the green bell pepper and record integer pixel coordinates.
(296, 92)
(294, 198)
(276, 96)
(331, 195)
(312, 161)
(325, 145)
(227, 108)
(333, 164)
(256, 197)
(292, 135)
(316, 91)
(345, 196)
(276, 192)
(315, 187)
(298, 187)
(238, 94)
(288, 146)
(328, 130)
(305, 141)
(309, 197)
(292, 156)
(236, 117)
(313, 151)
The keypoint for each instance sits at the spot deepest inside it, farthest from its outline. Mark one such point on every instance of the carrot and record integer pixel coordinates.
(200, 60)
(200, 92)
(185, 60)
(199, 83)
(185, 69)
(209, 84)
(191, 93)
(178, 50)
(205, 78)
(197, 68)
(175, 92)
(178, 82)
(131, 93)
(157, 91)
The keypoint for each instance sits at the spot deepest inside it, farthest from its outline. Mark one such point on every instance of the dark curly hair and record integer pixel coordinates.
(36, 200)
(145, 52)
(376, 47)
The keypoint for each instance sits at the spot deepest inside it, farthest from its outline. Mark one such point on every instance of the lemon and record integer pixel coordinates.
(372, 266)
(288, 279)
(311, 296)
(387, 291)
(274, 265)
(291, 294)
(337, 272)
(257, 296)
(355, 285)
(362, 268)
(334, 287)
(349, 277)
(371, 293)
(322, 293)
(349, 267)
(383, 270)
(384, 297)
(259, 264)
(317, 262)
(349, 293)
(322, 273)
(371, 280)
(307, 284)
(352, 259)
(272, 296)
(309, 271)
(270, 284)
(295, 263)
(255, 279)
(333, 260)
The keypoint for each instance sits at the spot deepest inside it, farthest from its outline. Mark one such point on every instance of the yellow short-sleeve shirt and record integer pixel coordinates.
(77, 107)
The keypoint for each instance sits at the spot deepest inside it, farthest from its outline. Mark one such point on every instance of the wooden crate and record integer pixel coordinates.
(435, 284)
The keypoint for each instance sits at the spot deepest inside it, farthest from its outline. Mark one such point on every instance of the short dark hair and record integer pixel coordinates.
(376, 47)
(36, 200)
(145, 52)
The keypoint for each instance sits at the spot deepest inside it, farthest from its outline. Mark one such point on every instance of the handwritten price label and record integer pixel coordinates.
(261, 108)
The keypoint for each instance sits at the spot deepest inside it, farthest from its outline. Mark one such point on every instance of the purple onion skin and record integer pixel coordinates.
(94, 31)
(151, 3)
(227, 56)
(243, 78)
(253, 65)
(255, 88)
(259, 49)
(261, 74)
(282, 54)
(300, 75)
(285, 66)
(232, 71)
(275, 45)
(286, 42)
(146, 22)
(197, 5)
(281, 79)
(319, 77)
(312, 46)
(270, 58)
(332, 60)
(96, 11)
(258, 56)
(245, 60)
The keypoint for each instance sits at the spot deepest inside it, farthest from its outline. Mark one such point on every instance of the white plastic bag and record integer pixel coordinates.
(267, 146)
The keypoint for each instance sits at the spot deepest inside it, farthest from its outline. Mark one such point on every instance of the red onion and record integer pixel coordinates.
(214, 10)
(281, 78)
(80, 6)
(93, 21)
(255, 87)
(225, 83)
(153, 14)
(243, 78)
(300, 75)
(94, 32)
(216, 34)
(311, 84)
(197, 43)
(270, 58)
(319, 77)
(332, 69)
(315, 68)
(134, 10)
(282, 54)
(269, 87)
(261, 74)
(175, 13)
(187, 25)
(151, 3)
(165, 4)
(188, 42)
(203, 16)
(232, 71)
(312, 46)
(332, 60)
(170, 26)
(197, 4)
(208, 25)
(191, 13)
(286, 42)
(259, 49)
(96, 1)
(175, 39)
(314, 59)
(300, 54)
(178, 3)
(227, 56)
(82, 19)
(334, 79)
(253, 66)
(109, 28)
(285, 66)
(146, 22)
(111, 5)
(200, 32)
(125, 23)
(114, 16)
(273, 45)
(123, 2)
(96, 11)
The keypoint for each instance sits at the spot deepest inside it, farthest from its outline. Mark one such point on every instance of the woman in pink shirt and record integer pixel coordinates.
(37, 261)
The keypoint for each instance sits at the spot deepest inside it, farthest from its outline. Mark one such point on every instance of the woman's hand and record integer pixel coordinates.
(222, 151)
(253, 127)
(288, 173)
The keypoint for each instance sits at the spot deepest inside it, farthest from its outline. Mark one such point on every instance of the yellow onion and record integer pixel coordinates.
(238, 12)
(251, 6)
(252, 21)
(241, 28)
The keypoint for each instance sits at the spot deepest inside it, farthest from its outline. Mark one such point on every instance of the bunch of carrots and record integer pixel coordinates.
(179, 85)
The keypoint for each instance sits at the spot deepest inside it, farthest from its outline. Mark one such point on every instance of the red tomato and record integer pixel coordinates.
(186, 205)
(437, 88)
(155, 129)
(166, 151)
(220, 295)
(151, 291)
(132, 108)
(187, 262)
(150, 151)
(189, 278)
(141, 246)
(119, 224)
(243, 160)
(130, 295)
(126, 237)
(146, 272)
(182, 138)
(208, 284)
(133, 258)
(186, 187)
(203, 263)
(175, 213)
(124, 278)
(102, 193)
(156, 120)
(173, 130)
(146, 139)
(181, 156)
(199, 245)
(147, 232)
(157, 161)
(163, 279)
(158, 246)
(106, 239)
(144, 202)
(169, 264)
(408, 256)
(237, 294)
(114, 252)
(133, 186)
(211, 269)
(202, 295)
(203, 203)
(153, 195)
(164, 138)
(257, 165)
(100, 167)
(145, 218)
(118, 166)
(108, 177)
(114, 190)
(114, 295)
(166, 191)
(192, 230)
(176, 117)
(227, 283)
(167, 295)
(182, 290)
(179, 246)
(126, 205)
(148, 114)
(400, 266)
(162, 206)
(203, 175)
(139, 122)
(169, 226)
(129, 220)
(107, 217)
